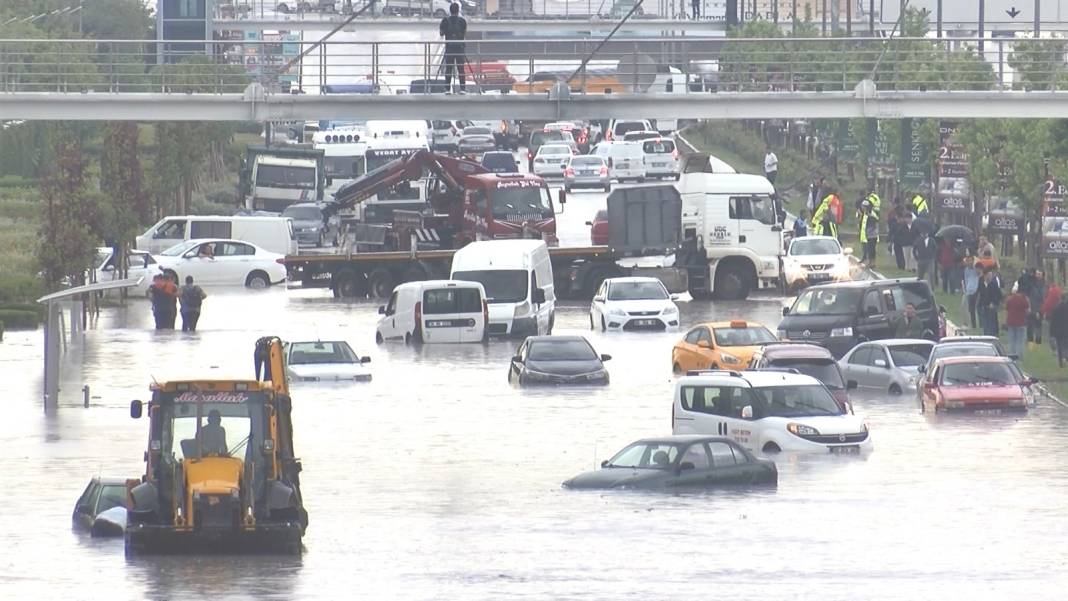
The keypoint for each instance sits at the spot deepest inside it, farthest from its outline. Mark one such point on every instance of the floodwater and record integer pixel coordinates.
(437, 480)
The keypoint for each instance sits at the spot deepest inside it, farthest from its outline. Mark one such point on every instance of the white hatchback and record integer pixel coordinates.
(767, 412)
(633, 304)
(225, 262)
(551, 159)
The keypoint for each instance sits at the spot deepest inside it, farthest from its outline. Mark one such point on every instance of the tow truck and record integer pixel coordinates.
(221, 474)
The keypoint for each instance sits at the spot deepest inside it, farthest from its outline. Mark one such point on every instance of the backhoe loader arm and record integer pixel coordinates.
(270, 357)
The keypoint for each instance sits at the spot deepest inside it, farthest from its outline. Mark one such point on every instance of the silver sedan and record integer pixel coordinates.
(889, 366)
(586, 171)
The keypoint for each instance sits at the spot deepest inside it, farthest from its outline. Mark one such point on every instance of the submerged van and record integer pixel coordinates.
(434, 311)
(517, 276)
(274, 234)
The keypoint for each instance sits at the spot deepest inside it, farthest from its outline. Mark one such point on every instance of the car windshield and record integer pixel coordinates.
(649, 455)
(554, 149)
(561, 350)
(306, 353)
(541, 137)
(225, 425)
(827, 301)
(112, 495)
(910, 355)
(303, 213)
(978, 374)
(178, 249)
(625, 291)
(794, 401)
(519, 204)
(502, 285)
(749, 336)
(962, 350)
(503, 162)
(824, 370)
(476, 131)
(818, 246)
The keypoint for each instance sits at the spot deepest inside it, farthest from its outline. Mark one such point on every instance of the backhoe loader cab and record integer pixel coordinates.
(220, 471)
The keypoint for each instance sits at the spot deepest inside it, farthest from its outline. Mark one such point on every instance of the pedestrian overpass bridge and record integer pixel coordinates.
(657, 78)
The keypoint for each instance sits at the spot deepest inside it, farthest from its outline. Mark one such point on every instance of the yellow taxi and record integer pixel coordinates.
(720, 345)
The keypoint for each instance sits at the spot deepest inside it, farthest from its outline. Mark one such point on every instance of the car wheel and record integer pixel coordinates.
(417, 335)
(283, 8)
(407, 338)
(257, 280)
(349, 284)
(895, 389)
(731, 284)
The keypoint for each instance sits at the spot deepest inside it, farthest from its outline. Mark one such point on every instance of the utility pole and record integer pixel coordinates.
(938, 18)
(849, 18)
(1038, 18)
(823, 26)
(982, 26)
(871, 18)
(794, 15)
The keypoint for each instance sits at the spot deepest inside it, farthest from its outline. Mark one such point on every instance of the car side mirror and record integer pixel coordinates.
(365, 360)
(517, 359)
(879, 363)
(135, 409)
(604, 463)
(776, 228)
(606, 357)
(561, 197)
(785, 311)
(686, 465)
(847, 251)
(589, 223)
(382, 310)
(673, 297)
(747, 412)
(851, 385)
(1014, 357)
(539, 296)
(922, 369)
(704, 344)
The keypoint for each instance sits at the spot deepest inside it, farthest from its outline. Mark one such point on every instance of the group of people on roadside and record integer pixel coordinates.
(165, 294)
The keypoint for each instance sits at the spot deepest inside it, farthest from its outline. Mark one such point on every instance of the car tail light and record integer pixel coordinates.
(604, 170)
(530, 155)
(569, 172)
(419, 315)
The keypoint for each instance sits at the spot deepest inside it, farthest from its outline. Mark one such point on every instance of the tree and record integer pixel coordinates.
(121, 180)
(116, 19)
(70, 211)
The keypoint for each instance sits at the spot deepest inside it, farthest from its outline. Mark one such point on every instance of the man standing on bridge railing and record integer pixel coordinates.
(454, 29)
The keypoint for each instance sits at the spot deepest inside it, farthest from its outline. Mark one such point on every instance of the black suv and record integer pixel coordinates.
(839, 316)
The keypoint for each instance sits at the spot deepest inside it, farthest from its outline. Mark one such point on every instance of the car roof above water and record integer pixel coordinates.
(750, 379)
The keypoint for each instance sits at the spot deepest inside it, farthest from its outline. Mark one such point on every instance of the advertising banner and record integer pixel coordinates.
(954, 191)
(913, 157)
(1005, 215)
(1054, 220)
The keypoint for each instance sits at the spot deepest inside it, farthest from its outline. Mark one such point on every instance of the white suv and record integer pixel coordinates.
(767, 411)
(633, 304)
(816, 260)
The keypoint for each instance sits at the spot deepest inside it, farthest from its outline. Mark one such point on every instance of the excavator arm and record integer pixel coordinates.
(270, 357)
(449, 170)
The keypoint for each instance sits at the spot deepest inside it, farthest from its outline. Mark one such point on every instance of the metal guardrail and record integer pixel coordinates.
(670, 65)
(335, 10)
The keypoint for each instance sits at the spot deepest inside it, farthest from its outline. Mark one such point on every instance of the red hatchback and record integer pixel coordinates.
(599, 229)
(979, 384)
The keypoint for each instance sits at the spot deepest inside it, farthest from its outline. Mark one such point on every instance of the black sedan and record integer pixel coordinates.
(679, 462)
(557, 360)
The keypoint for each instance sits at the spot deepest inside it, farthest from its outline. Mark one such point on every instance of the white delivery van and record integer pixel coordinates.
(625, 160)
(735, 219)
(517, 276)
(434, 311)
(661, 158)
(274, 234)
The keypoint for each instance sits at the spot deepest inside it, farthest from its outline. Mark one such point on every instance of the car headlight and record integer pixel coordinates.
(1028, 395)
(309, 379)
(617, 312)
(729, 358)
(836, 332)
(597, 375)
(801, 429)
(521, 310)
(670, 310)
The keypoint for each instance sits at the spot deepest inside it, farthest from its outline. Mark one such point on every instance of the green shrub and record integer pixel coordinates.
(20, 288)
(15, 319)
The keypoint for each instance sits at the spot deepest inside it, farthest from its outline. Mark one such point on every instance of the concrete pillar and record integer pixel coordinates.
(53, 335)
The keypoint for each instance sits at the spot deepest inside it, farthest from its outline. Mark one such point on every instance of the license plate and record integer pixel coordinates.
(645, 322)
(624, 165)
(988, 411)
(818, 277)
(588, 173)
(846, 450)
(450, 323)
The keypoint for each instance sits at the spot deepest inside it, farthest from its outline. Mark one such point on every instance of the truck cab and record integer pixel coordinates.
(508, 205)
(278, 182)
(733, 221)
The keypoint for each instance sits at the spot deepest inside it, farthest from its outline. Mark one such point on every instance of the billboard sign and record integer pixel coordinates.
(1054, 220)
(954, 191)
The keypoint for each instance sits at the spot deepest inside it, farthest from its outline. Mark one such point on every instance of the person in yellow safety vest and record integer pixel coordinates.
(876, 203)
(869, 232)
(919, 205)
(825, 220)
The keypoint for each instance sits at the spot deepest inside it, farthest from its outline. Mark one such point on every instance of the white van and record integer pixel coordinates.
(767, 412)
(274, 234)
(661, 158)
(619, 127)
(625, 160)
(518, 278)
(434, 311)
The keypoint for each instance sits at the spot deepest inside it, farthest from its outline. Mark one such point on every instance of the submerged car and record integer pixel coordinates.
(679, 462)
(325, 361)
(101, 510)
(216, 261)
(633, 303)
(979, 384)
(809, 359)
(891, 366)
(728, 344)
(557, 360)
(309, 223)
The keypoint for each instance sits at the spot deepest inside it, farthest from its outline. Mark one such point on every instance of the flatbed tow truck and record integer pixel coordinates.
(221, 475)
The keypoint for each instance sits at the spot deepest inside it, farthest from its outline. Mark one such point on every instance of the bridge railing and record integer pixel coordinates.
(669, 65)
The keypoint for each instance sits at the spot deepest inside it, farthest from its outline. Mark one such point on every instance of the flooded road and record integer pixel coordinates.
(437, 480)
